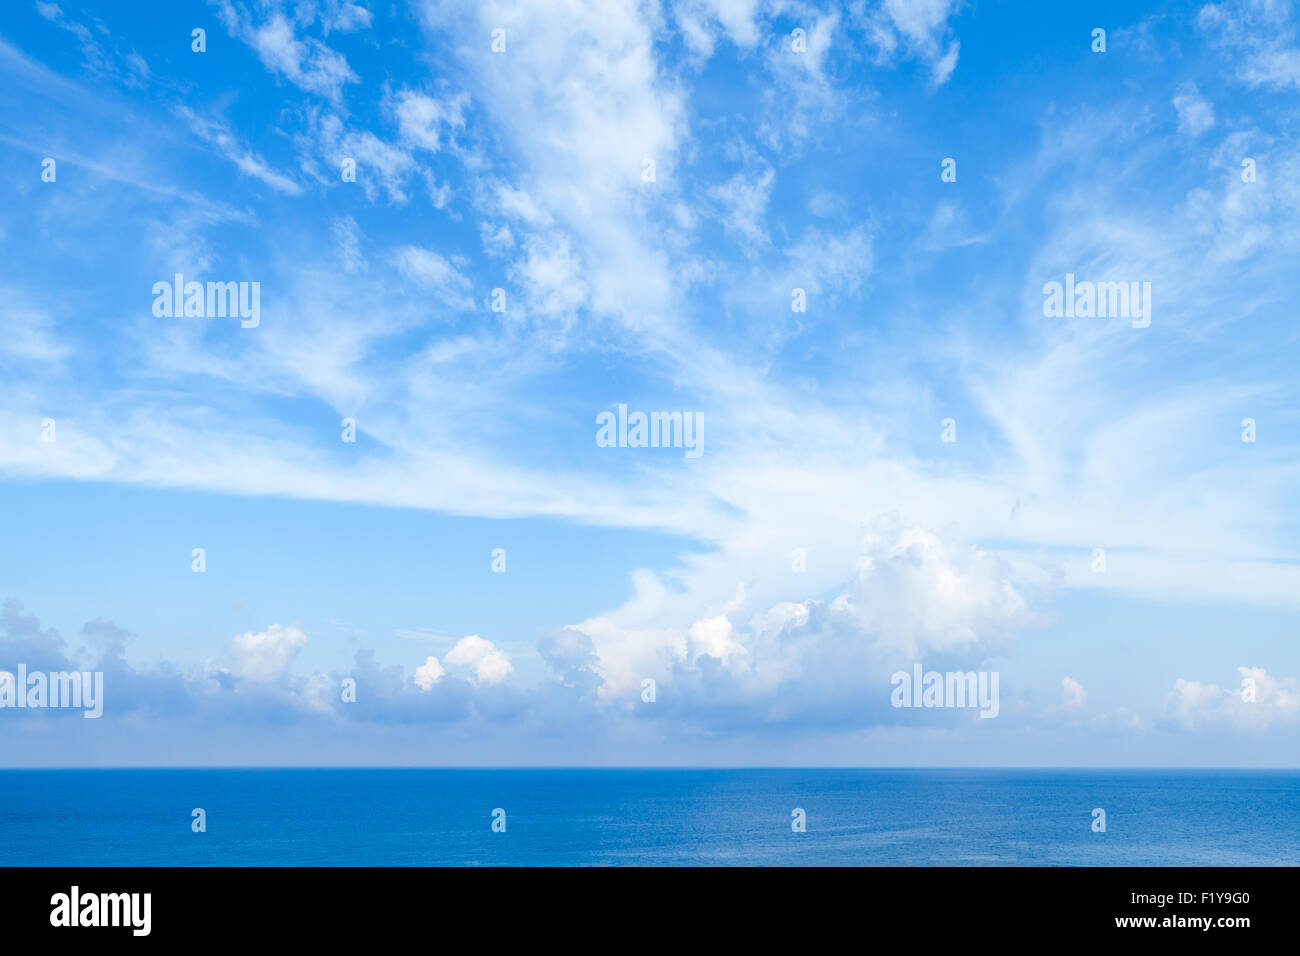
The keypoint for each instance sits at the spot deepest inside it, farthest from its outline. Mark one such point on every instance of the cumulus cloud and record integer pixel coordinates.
(163, 690)
(712, 636)
(262, 685)
(583, 234)
(489, 664)
(428, 673)
(911, 597)
(267, 655)
(1259, 702)
(919, 594)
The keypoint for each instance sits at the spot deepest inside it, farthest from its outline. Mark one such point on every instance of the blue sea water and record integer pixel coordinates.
(649, 817)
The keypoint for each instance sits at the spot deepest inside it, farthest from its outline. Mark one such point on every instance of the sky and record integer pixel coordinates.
(822, 233)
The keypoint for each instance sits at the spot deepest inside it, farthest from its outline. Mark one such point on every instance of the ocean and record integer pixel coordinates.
(654, 817)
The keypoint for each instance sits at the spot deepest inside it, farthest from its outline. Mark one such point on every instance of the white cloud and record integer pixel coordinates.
(347, 235)
(516, 203)
(220, 135)
(552, 277)
(1259, 702)
(490, 665)
(948, 229)
(307, 63)
(1073, 696)
(1195, 114)
(910, 596)
(423, 120)
(743, 199)
(944, 66)
(1260, 38)
(702, 22)
(498, 240)
(379, 164)
(29, 334)
(343, 15)
(803, 461)
(432, 271)
(919, 594)
(712, 636)
(266, 656)
(801, 100)
(835, 262)
(428, 673)
(920, 28)
(580, 154)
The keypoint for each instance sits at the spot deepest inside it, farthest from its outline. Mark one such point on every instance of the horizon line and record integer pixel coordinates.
(700, 767)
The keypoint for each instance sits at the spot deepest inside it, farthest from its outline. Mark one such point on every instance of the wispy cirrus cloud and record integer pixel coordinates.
(677, 291)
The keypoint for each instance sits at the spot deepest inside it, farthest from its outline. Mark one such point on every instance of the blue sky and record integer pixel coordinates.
(782, 161)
